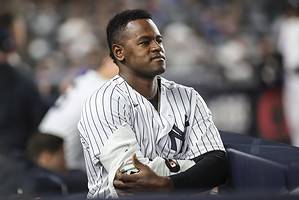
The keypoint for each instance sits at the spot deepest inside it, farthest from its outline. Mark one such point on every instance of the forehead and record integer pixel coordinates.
(141, 27)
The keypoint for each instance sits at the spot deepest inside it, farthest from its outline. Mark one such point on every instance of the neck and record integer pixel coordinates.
(147, 87)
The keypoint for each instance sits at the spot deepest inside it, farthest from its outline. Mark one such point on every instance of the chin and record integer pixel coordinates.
(153, 71)
(152, 74)
(159, 71)
(160, 68)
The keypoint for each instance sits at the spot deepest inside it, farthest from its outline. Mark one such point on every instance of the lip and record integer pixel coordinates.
(158, 57)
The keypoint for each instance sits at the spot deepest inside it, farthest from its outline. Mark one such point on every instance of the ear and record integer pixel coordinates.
(118, 52)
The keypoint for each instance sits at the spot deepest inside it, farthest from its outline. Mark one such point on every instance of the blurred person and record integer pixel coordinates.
(62, 118)
(38, 172)
(138, 117)
(288, 45)
(19, 176)
(21, 107)
(47, 152)
(269, 112)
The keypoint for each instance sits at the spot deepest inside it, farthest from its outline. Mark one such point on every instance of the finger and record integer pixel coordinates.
(128, 186)
(137, 163)
(128, 177)
(120, 185)
(117, 175)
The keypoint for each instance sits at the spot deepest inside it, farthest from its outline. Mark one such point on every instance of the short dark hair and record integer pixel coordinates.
(119, 22)
(41, 142)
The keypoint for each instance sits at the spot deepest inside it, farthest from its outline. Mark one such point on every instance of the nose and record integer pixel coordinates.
(156, 46)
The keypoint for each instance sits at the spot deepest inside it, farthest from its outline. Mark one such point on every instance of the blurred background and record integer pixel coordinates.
(242, 56)
(227, 49)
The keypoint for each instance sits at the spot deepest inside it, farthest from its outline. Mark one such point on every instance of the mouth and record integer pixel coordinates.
(158, 57)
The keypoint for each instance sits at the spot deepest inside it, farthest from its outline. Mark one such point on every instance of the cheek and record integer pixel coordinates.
(137, 56)
(59, 159)
(139, 50)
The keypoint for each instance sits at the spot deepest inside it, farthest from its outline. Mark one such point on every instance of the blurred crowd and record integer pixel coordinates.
(220, 39)
(240, 54)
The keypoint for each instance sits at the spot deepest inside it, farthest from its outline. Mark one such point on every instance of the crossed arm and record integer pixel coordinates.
(209, 171)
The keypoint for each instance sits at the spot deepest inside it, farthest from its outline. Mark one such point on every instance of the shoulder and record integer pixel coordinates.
(173, 86)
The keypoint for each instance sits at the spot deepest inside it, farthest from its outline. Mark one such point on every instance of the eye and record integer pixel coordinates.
(159, 40)
(144, 43)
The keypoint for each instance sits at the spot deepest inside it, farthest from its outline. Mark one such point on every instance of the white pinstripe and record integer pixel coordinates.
(117, 104)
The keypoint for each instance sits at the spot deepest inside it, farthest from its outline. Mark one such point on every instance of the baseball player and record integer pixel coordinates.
(138, 117)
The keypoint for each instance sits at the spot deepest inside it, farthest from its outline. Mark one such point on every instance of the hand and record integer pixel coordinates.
(143, 181)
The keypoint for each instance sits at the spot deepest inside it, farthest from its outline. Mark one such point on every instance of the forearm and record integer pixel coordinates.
(211, 169)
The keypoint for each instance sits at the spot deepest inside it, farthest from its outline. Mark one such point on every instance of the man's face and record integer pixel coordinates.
(143, 49)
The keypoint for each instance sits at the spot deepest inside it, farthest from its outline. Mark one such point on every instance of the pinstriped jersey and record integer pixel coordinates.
(181, 129)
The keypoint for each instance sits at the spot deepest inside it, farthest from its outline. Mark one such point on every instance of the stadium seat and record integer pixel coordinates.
(249, 173)
(283, 154)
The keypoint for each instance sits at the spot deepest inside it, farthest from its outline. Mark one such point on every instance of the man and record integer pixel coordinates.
(21, 106)
(63, 117)
(167, 120)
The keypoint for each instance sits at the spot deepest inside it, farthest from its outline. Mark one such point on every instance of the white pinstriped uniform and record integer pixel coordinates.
(183, 129)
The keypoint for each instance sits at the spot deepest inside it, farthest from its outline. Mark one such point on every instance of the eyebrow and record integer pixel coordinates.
(143, 38)
(148, 37)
